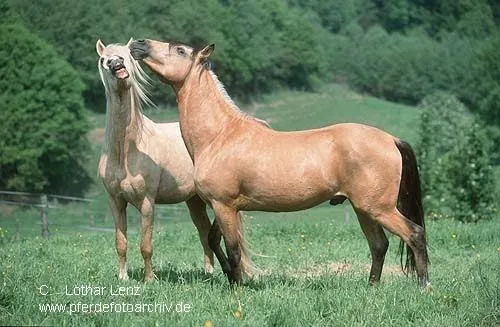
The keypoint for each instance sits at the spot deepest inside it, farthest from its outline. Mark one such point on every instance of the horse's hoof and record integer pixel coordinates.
(427, 288)
(150, 277)
(123, 277)
(209, 269)
(235, 279)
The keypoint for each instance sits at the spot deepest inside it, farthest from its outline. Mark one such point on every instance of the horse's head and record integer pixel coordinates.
(172, 62)
(115, 64)
(119, 71)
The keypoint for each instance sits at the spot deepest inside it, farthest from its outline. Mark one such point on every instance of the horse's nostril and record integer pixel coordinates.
(141, 41)
(108, 62)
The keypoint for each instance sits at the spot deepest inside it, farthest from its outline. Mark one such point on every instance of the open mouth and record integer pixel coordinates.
(120, 71)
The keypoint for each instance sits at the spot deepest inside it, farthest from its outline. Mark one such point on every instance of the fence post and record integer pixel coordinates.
(43, 215)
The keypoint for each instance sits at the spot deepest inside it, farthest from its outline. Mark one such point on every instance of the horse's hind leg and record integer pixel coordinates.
(147, 219)
(411, 234)
(118, 209)
(378, 243)
(197, 210)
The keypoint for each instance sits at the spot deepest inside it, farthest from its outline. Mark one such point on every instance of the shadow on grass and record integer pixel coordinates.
(175, 275)
(269, 281)
(172, 274)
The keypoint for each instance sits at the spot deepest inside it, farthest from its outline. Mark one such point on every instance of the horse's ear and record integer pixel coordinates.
(207, 51)
(99, 47)
(130, 41)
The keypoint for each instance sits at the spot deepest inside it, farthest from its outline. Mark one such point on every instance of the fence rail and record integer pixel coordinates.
(38, 200)
(55, 196)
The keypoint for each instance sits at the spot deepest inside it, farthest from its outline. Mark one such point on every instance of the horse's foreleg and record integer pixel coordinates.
(198, 212)
(147, 219)
(378, 243)
(118, 209)
(214, 238)
(229, 223)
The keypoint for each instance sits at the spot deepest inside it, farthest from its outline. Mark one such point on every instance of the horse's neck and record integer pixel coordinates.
(204, 111)
(123, 124)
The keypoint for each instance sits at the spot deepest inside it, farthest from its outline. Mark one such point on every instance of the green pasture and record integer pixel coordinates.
(314, 272)
(313, 264)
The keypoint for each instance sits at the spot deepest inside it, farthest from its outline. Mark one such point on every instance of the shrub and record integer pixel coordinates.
(471, 175)
(455, 161)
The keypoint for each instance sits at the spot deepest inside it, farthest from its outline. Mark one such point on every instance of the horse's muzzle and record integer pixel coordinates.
(116, 64)
(118, 69)
(139, 49)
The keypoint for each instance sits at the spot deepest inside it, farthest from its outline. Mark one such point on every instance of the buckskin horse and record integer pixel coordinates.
(242, 164)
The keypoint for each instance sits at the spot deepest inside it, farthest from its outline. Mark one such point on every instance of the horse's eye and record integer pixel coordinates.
(181, 52)
(102, 60)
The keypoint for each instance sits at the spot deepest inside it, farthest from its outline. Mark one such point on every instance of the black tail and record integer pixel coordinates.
(410, 200)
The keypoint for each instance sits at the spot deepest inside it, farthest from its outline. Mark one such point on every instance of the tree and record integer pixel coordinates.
(44, 123)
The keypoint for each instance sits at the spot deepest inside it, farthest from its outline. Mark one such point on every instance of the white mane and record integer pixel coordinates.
(138, 80)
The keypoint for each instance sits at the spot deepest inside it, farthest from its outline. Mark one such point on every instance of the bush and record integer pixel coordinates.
(44, 124)
(455, 161)
(471, 175)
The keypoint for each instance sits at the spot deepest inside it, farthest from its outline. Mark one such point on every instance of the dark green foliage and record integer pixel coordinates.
(287, 52)
(442, 116)
(333, 14)
(488, 92)
(401, 50)
(455, 161)
(471, 175)
(261, 45)
(73, 28)
(43, 125)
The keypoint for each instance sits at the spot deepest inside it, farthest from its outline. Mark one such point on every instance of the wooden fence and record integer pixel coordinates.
(39, 201)
(44, 202)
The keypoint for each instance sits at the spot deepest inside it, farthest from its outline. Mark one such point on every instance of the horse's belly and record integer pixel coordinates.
(170, 195)
(282, 206)
(285, 198)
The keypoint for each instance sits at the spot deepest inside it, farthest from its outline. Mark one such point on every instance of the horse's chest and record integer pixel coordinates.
(119, 182)
(213, 182)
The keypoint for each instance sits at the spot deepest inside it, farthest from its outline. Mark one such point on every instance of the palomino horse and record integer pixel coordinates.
(241, 164)
(143, 163)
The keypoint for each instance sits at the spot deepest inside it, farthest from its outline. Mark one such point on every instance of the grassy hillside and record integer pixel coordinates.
(314, 263)
(335, 104)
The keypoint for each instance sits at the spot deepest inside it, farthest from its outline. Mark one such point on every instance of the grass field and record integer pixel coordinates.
(314, 263)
